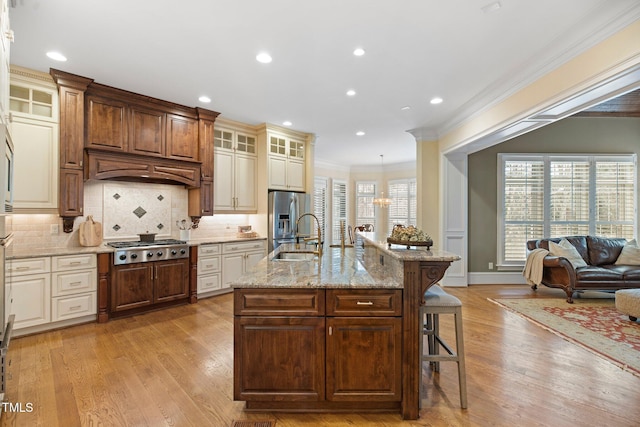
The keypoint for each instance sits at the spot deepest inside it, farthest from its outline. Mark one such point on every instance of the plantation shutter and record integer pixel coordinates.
(615, 198)
(365, 212)
(555, 196)
(339, 208)
(569, 198)
(523, 207)
(320, 203)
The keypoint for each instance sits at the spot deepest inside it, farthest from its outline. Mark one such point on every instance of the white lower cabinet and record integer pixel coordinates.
(31, 303)
(46, 291)
(238, 257)
(209, 280)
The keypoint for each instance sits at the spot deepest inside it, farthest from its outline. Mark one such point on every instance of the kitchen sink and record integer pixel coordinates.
(295, 256)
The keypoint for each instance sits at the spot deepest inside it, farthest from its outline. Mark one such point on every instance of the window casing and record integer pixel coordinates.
(403, 208)
(365, 209)
(560, 195)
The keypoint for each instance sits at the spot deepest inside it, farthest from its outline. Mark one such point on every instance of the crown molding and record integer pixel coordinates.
(539, 64)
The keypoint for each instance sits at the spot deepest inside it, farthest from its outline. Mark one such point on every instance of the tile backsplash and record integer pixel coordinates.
(125, 209)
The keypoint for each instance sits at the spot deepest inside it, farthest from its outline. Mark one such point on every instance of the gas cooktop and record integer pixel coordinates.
(139, 244)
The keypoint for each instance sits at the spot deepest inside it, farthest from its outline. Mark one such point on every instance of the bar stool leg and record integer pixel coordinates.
(462, 371)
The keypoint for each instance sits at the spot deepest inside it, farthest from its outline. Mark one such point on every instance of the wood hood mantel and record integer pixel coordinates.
(113, 134)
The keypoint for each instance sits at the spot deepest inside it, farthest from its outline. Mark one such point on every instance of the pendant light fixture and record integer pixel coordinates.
(382, 201)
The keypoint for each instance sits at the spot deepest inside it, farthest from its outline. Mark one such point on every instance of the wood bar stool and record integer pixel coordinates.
(437, 302)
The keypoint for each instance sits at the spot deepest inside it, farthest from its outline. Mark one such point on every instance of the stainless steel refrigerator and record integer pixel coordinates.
(285, 207)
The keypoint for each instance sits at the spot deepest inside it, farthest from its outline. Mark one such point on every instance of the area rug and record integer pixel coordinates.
(594, 324)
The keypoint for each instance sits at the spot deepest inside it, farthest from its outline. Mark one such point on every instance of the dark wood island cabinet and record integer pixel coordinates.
(338, 333)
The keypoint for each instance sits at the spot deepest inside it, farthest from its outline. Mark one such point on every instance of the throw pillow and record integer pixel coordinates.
(630, 254)
(568, 251)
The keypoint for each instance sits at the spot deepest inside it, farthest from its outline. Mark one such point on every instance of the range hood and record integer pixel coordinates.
(101, 165)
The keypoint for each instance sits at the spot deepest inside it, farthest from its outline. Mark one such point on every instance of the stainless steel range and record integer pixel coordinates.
(160, 250)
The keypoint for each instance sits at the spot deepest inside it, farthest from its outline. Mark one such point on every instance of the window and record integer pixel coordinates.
(403, 208)
(320, 203)
(553, 196)
(339, 208)
(365, 212)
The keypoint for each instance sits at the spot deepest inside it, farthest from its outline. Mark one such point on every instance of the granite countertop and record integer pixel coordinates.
(227, 239)
(13, 253)
(337, 268)
(415, 253)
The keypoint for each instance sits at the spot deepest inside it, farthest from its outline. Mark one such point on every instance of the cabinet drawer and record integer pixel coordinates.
(73, 262)
(20, 267)
(243, 246)
(73, 282)
(73, 306)
(210, 282)
(206, 250)
(364, 302)
(271, 302)
(208, 265)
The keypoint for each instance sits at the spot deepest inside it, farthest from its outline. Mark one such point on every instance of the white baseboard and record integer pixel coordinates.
(497, 278)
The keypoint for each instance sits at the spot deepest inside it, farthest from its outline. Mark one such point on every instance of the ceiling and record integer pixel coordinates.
(415, 50)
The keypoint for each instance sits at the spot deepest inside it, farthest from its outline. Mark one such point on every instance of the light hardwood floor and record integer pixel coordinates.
(175, 368)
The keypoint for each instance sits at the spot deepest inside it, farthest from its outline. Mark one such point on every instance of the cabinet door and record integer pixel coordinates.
(232, 268)
(171, 280)
(245, 183)
(279, 358)
(252, 259)
(295, 175)
(364, 359)
(277, 173)
(31, 300)
(36, 164)
(71, 197)
(182, 138)
(206, 142)
(223, 183)
(106, 122)
(131, 286)
(147, 132)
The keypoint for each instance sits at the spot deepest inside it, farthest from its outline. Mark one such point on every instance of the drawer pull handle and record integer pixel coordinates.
(78, 283)
(23, 268)
(364, 303)
(75, 307)
(75, 262)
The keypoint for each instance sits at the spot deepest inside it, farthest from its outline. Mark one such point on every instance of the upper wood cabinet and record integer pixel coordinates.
(110, 133)
(182, 138)
(117, 125)
(106, 124)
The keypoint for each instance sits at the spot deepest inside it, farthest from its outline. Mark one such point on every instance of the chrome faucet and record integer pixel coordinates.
(319, 237)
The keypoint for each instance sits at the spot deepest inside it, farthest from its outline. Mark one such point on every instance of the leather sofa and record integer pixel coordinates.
(601, 272)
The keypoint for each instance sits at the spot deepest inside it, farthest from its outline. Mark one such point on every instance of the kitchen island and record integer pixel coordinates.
(336, 332)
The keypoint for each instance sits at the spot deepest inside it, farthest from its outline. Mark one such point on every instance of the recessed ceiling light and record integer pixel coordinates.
(264, 57)
(204, 99)
(436, 100)
(358, 52)
(406, 107)
(287, 123)
(57, 56)
(360, 133)
(351, 92)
